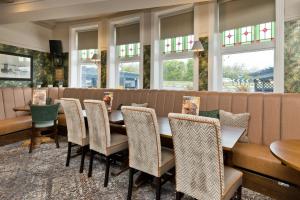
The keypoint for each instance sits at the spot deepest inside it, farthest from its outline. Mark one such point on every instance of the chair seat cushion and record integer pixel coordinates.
(258, 158)
(167, 160)
(45, 124)
(15, 124)
(118, 143)
(232, 181)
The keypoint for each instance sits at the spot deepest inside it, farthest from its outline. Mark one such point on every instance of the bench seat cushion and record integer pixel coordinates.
(258, 158)
(15, 124)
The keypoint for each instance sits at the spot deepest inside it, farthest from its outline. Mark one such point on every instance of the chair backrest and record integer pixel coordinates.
(98, 122)
(75, 121)
(143, 139)
(198, 156)
(43, 113)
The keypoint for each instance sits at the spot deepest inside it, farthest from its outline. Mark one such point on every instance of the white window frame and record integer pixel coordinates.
(157, 57)
(215, 73)
(246, 48)
(74, 62)
(113, 56)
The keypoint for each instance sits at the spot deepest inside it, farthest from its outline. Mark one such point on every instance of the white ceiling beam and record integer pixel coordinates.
(61, 9)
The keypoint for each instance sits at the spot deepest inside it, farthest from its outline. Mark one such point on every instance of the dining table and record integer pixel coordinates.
(230, 135)
(288, 152)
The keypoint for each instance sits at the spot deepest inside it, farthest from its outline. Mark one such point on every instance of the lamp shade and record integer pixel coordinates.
(197, 46)
(95, 57)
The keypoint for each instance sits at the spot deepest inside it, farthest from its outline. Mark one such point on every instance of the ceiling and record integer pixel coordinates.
(55, 11)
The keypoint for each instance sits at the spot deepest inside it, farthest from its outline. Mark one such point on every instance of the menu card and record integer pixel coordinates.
(108, 99)
(191, 105)
(39, 97)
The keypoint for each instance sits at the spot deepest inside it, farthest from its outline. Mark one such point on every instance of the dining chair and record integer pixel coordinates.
(145, 151)
(200, 172)
(77, 132)
(101, 139)
(44, 117)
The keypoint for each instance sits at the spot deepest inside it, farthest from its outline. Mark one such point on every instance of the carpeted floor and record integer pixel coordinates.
(43, 175)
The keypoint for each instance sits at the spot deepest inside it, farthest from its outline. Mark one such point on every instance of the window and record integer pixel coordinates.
(178, 74)
(248, 65)
(177, 63)
(129, 65)
(128, 53)
(129, 74)
(88, 69)
(176, 58)
(248, 72)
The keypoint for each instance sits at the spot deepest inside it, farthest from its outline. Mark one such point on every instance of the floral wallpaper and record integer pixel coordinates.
(147, 66)
(203, 65)
(43, 70)
(292, 56)
(103, 68)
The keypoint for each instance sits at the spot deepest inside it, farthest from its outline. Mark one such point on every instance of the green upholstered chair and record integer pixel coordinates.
(44, 117)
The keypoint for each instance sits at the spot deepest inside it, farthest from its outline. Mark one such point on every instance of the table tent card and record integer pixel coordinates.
(191, 105)
(108, 99)
(39, 97)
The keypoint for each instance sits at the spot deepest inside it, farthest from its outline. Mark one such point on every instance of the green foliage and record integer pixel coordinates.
(292, 56)
(203, 65)
(147, 66)
(177, 70)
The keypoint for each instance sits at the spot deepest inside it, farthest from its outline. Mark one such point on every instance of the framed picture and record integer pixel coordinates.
(15, 66)
(39, 97)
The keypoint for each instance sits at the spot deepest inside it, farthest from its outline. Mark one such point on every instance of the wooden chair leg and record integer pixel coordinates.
(56, 138)
(108, 161)
(91, 163)
(69, 154)
(31, 140)
(130, 185)
(178, 195)
(158, 187)
(83, 151)
(239, 193)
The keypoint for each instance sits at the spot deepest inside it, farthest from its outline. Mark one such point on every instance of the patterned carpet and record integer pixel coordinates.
(43, 175)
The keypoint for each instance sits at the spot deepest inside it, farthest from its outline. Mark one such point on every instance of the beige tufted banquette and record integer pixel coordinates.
(11, 121)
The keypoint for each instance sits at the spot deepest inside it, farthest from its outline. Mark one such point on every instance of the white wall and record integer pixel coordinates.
(61, 32)
(26, 35)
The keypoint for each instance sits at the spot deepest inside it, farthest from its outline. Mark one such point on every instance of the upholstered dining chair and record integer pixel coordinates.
(77, 132)
(145, 151)
(200, 172)
(44, 117)
(101, 139)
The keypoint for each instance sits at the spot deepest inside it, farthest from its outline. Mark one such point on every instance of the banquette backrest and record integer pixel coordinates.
(273, 116)
(18, 97)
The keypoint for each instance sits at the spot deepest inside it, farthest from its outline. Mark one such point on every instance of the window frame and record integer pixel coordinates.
(244, 48)
(88, 62)
(113, 55)
(158, 56)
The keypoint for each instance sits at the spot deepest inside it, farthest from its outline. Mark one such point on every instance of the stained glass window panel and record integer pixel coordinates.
(229, 38)
(179, 44)
(265, 31)
(130, 50)
(190, 41)
(247, 35)
(168, 45)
